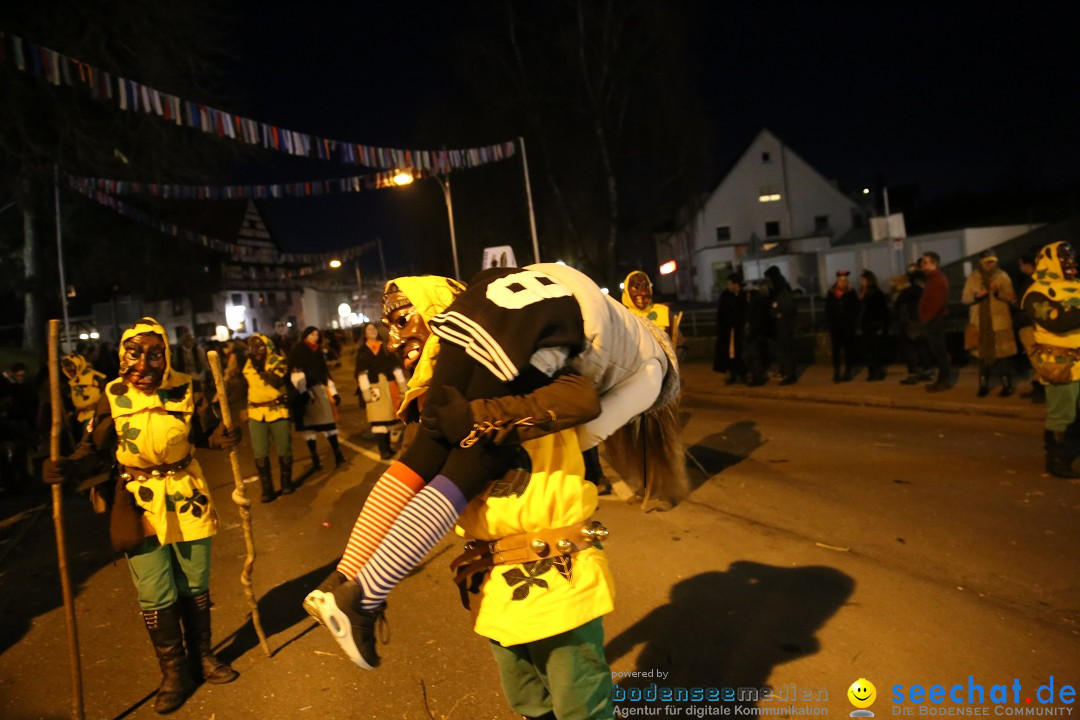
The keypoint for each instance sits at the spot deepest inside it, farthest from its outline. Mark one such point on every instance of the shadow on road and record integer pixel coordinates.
(279, 610)
(745, 621)
(719, 451)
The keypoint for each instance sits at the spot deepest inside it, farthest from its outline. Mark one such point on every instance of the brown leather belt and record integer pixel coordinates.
(268, 403)
(155, 471)
(480, 556)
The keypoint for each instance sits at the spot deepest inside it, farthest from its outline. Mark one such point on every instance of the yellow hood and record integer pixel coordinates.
(78, 361)
(271, 348)
(430, 295)
(1049, 277)
(150, 325)
(627, 300)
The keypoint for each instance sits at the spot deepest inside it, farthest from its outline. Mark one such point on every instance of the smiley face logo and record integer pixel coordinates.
(862, 693)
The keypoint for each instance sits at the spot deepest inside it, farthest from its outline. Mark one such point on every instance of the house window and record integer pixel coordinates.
(251, 298)
(766, 157)
(769, 194)
(237, 299)
(254, 324)
(772, 229)
(723, 234)
(821, 224)
(262, 299)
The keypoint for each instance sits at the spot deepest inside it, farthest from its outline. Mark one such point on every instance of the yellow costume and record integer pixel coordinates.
(266, 403)
(153, 430)
(658, 313)
(85, 384)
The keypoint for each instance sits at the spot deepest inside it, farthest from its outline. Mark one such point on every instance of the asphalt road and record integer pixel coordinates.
(822, 544)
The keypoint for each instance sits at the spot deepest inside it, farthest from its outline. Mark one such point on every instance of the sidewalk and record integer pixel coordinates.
(816, 385)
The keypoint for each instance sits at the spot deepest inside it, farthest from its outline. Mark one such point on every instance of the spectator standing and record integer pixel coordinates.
(731, 328)
(783, 323)
(912, 333)
(842, 312)
(934, 315)
(873, 324)
(381, 383)
(314, 397)
(758, 331)
(988, 293)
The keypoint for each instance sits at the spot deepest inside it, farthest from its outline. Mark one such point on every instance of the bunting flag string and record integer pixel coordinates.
(308, 262)
(131, 96)
(307, 188)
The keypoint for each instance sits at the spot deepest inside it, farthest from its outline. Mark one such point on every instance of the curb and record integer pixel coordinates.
(1031, 413)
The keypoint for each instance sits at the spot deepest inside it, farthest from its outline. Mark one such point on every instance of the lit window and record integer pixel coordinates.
(768, 197)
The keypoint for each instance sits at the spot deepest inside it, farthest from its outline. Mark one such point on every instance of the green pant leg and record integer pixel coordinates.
(521, 681)
(566, 674)
(191, 566)
(260, 438)
(281, 430)
(152, 572)
(1061, 405)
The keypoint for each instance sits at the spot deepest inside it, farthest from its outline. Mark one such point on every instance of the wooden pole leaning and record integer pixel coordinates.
(243, 504)
(57, 408)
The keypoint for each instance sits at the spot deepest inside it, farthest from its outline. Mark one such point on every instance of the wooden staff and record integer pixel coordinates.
(243, 504)
(58, 522)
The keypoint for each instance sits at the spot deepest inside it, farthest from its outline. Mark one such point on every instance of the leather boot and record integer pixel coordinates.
(383, 440)
(176, 683)
(339, 459)
(984, 384)
(197, 631)
(1058, 463)
(1006, 386)
(262, 466)
(316, 464)
(285, 464)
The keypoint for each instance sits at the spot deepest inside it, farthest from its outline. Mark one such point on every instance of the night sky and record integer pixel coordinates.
(950, 99)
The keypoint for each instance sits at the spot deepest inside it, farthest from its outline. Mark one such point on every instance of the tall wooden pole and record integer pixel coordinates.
(243, 504)
(58, 523)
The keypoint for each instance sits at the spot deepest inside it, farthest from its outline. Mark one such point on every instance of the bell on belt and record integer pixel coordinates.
(594, 532)
(539, 546)
(565, 546)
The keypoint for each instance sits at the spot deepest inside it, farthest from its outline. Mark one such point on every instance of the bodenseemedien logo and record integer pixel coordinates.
(862, 695)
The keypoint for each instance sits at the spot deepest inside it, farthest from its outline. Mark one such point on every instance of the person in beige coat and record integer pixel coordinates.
(989, 295)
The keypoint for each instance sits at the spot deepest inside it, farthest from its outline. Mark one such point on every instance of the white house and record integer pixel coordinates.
(771, 204)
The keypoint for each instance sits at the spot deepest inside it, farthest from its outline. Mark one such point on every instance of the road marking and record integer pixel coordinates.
(370, 454)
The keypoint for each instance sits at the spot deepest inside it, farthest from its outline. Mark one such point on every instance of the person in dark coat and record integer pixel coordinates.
(758, 331)
(873, 323)
(313, 396)
(783, 323)
(842, 312)
(912, 336)
(731, 326)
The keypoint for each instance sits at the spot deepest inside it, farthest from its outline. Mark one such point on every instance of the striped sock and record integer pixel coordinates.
(387, 499)
(422, 523)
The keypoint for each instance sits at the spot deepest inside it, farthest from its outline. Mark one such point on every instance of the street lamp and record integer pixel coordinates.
(335, 263)
(404, 177)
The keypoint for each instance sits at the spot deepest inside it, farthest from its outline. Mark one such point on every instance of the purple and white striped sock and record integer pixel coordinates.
(423, 522)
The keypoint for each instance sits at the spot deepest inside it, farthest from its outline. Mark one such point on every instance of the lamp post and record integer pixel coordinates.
(404, 177)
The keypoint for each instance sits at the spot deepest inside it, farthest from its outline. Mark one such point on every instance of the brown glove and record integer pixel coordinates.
(222, 439)
(56, 472)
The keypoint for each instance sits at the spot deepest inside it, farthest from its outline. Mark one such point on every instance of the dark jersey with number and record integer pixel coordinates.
(507, 314)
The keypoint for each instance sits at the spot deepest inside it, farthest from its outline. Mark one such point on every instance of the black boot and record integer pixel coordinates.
(316, 464)
(176, 683)
(1058, 463)
(197, 631)
(287, 486)
(984, 384)
(1006, 386)
(262, 466)
(383, 440)
(339, 459)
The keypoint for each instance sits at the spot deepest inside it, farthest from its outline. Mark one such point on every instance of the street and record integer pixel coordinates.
(823, 543)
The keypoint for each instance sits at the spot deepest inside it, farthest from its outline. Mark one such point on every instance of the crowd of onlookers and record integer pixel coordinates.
(756, 325)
